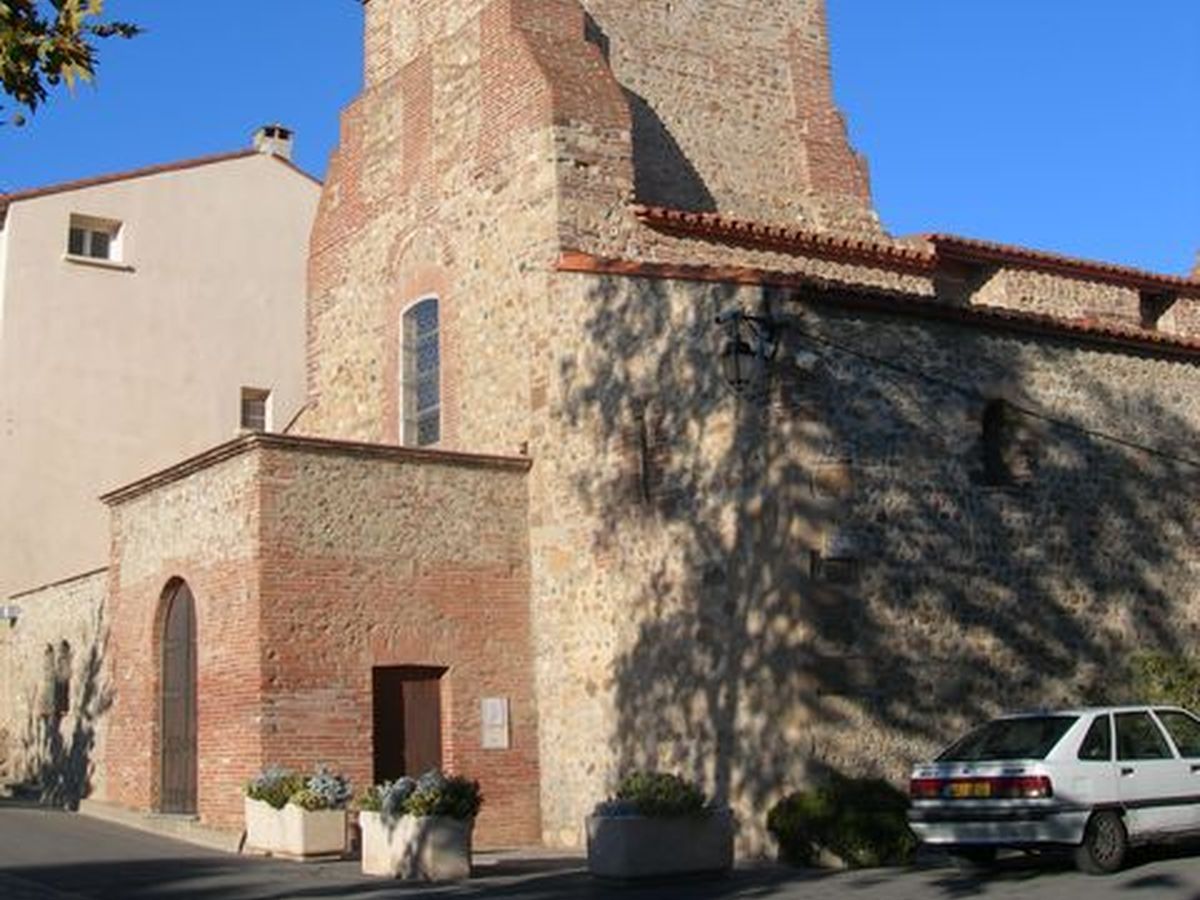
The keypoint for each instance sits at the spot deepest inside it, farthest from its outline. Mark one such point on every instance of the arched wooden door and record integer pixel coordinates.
(178, 713)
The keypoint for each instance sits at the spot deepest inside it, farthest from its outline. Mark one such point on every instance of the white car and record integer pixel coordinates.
(1095, 779)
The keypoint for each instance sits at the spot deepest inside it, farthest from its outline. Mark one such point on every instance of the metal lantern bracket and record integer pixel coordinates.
(751, 343)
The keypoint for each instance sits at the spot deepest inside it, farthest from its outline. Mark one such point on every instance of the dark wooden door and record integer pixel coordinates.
(179, 703)
(407, 709)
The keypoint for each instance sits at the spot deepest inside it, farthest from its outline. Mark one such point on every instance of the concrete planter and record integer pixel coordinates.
(293, 832)
(641, 847)
(426, 848)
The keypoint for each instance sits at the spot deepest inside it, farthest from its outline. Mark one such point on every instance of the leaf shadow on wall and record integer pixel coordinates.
(57, 746)
(823, 579)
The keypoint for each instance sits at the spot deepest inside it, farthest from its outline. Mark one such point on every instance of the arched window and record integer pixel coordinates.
(421, 388)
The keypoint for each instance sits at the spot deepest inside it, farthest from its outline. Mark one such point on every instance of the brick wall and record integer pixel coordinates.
(376, 562)
(203, 529)
(311, 563)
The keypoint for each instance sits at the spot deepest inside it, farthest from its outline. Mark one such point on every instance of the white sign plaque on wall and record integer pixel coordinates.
(494, 716)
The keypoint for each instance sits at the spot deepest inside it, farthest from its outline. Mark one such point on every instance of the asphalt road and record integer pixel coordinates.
(52, 855)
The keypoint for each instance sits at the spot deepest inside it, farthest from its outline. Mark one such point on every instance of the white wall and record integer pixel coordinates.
(107, 375)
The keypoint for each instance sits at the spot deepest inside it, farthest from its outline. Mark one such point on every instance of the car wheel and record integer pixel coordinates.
(1105, 843)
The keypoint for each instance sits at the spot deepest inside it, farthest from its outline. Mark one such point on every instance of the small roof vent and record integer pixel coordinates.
(275, 140)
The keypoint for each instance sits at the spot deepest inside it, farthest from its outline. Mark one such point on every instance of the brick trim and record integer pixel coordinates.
(895, 303)
(269, 441)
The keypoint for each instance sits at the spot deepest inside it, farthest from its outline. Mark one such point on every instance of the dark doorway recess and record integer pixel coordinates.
(407, 710)
(178, 713)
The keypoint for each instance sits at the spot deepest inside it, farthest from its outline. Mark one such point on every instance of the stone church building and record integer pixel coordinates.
(632, 439)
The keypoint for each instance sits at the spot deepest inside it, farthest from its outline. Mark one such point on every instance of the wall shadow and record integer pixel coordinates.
(58, 747)
(827, 578)
(662, 173)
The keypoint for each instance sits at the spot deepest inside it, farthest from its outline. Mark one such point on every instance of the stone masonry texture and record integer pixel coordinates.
(819, 571)
(684, 541)
(59, 633)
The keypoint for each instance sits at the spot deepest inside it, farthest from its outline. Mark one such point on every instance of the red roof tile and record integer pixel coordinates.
(785, 239)
(942, 248)
(897, 302)
(951, 247)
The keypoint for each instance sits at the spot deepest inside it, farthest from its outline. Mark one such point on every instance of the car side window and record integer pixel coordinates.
(1097, 744)
(1184, 730)
(1139, 738)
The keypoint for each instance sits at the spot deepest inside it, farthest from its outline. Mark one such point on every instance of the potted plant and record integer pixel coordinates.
(295, 816)
(657, 825)
(419, 828)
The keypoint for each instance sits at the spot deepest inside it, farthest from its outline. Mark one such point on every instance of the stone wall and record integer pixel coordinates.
(51, 673)
(746, 589)
(753, 591)
(492, 136)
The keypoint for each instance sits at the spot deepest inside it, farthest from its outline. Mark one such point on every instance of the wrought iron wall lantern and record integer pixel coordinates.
(750, 343)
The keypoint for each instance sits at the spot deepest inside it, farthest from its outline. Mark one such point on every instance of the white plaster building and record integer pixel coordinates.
(137, 311)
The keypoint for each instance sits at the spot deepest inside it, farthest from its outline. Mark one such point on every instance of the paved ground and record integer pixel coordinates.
(58, 856)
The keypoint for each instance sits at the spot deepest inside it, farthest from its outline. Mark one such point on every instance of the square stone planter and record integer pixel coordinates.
(426, 848)
(629, 847)
(293, 832)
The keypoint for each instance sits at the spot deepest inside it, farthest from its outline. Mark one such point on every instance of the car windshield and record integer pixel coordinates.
(1028, 737)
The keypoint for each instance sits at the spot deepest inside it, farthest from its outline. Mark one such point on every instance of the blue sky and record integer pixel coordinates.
(1066, 125)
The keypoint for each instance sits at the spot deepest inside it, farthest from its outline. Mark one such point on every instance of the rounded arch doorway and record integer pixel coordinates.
(177, 706)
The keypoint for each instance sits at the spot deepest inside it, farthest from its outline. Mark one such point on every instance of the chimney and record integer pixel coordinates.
(275, 140)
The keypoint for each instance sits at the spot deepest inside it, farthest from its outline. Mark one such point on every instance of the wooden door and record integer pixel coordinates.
(178, 714)
(407, 711)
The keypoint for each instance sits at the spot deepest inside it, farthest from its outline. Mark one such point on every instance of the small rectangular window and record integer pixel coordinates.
(256, 409)
(94, 238)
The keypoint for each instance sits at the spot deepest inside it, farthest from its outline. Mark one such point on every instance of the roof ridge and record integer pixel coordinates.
(950, 245)
(140, 172)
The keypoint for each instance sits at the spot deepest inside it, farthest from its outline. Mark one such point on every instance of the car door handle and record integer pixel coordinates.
(1195, 768)
(1126, 770)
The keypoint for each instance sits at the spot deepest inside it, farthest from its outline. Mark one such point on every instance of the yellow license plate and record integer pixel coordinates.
(960, 790)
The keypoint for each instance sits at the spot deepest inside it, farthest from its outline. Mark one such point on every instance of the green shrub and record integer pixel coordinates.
(1165, 678)
(278, 786)
(309, 800)
(437, 795)
(860, 820)
(275, 786)
(661, 794)
(433, 794)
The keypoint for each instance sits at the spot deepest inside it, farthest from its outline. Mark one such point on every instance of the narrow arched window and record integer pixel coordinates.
(49, 682)
(995, 440)
(1009, 445)
(422, 375)
(62, 679)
